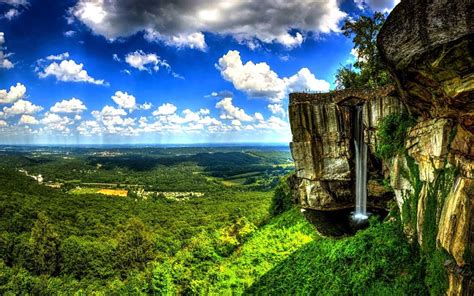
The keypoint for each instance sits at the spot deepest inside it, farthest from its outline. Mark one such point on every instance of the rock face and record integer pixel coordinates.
(428, 46)
(322, 147)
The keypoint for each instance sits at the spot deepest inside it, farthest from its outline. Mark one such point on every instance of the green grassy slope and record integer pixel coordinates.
(286, 257)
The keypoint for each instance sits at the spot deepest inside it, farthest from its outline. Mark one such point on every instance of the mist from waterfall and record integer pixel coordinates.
(360, 165)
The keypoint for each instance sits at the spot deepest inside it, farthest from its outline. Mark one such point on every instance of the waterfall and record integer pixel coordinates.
(360, 165)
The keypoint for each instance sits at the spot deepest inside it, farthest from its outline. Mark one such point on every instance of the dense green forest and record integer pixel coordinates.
(238, 237)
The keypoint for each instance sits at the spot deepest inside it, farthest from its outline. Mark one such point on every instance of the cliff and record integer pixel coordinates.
(428, 47)
(323, 149)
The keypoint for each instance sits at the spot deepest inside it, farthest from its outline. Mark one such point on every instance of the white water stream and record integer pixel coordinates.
(361, 166)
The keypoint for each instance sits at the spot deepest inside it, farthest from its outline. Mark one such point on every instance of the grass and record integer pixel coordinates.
(287, 257)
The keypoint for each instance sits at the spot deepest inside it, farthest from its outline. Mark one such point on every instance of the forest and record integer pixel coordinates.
(59, 236)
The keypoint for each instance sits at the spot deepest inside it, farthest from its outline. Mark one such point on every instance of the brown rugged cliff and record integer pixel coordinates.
(428, 47)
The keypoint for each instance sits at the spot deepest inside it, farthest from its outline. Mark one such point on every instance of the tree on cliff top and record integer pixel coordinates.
(368, 71)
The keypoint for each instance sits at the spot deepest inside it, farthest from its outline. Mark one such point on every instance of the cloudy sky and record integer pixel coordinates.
(184, 71)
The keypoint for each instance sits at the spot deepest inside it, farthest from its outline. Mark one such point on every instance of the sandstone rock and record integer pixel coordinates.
(322, 144)
(454, 225)
(428, 144)
(428, 46)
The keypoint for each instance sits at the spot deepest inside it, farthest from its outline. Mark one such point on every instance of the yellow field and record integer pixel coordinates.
(116, 192)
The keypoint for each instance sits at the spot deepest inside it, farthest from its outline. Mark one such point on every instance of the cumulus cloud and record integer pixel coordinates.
(377, 5)
(182, 23)
(229, 111)
(3, 123)
(146, 106)
(145, 61)
(18, 7)
(16, 92)
(69, 71)
(277, 109)
(59, 57)
(260, 81)
(165, 109)
(124, 100)
(5, 63)
(11, 14)
(89, 127)
(28, 120)
(55, 122)
(69, 106)
(21, 107)
(66, 70)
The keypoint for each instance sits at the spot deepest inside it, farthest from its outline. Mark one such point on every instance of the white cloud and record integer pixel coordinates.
(5, 63)
(145, 61)
(69, 33)
(11, 14)
(304, 80)
(21, 107)
(259, 116)
(277, 109)
(16, 3)
(89, 127)
(229, 111)
(108, 111)
(146, 106)
(165, 109)
(116, 58)
(182, 23)
(55, 122)
(194, 40)
(377, 5)
(16, 92)
(59, 57)
(124, 100)
(27, 120)
(260, 81)
(69, 106)
(3, 123)
(18, 7)
(67, 70)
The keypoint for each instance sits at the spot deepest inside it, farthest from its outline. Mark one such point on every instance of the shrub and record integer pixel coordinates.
(282, 198)
(392, 133)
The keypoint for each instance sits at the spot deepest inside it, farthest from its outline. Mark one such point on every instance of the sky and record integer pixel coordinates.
(165, 72)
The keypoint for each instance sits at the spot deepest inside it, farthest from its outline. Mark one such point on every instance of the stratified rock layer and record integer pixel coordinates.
(322, 145)
(428, 46)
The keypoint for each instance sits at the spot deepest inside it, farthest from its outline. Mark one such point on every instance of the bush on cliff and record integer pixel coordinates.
(392, 134)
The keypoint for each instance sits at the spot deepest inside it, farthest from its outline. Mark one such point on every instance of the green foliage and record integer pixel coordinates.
(391, 135)
(161, 279)
(436, 278)
(282, 198)
(368, 71)
(86, 257)
(134, 244)
(44, 245)
(376, 261)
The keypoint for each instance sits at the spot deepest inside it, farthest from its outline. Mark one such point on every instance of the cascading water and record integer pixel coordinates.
(360, 166)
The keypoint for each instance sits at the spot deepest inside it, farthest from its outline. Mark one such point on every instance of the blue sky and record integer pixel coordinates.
(125, 72)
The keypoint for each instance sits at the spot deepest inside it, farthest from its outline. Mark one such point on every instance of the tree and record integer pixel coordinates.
(135, 245)
(368, 70)
(44, 244)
